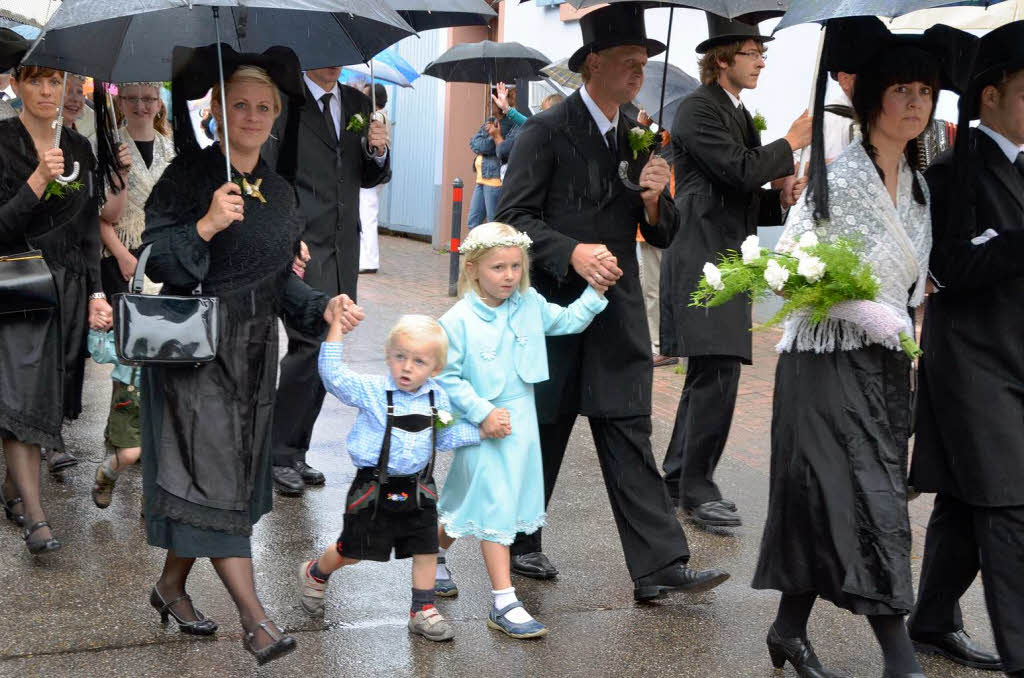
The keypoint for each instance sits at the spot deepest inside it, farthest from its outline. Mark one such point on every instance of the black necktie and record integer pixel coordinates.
(1019, 163)
(609, 136)
(328, 118)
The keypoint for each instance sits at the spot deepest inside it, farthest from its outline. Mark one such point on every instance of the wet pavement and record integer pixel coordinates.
(84, 611)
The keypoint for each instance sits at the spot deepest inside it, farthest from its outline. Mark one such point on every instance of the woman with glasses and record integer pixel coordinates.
(151, 151)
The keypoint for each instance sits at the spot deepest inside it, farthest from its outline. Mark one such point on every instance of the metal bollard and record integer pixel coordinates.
(453, 265)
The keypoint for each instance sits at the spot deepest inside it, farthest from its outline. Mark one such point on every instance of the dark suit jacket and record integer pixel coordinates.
(970, 425)
(562, 189)
(327, 183)
(720, 166)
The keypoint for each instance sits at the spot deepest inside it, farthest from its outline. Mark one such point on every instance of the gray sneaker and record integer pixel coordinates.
(445, 588)
(312, 590)
(431, 625)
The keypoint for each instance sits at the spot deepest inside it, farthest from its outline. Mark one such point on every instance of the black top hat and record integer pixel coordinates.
(611, 26)
(722, 31)
(999, 52)
(12, 48)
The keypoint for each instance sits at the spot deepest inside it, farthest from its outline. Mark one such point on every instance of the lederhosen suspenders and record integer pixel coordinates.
(412, 423)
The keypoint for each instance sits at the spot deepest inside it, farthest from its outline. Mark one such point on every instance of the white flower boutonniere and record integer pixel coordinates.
(443, 419)
(640, 140)
(357, 123)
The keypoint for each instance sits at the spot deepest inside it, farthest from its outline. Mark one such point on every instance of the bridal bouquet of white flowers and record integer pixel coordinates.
(819, 279)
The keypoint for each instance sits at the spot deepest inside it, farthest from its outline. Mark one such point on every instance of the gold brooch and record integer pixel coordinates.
(253, 190)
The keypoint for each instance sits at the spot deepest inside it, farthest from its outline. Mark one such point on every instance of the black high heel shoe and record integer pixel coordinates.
(9, 512)
(200, 627)
(799, 653)
(282, 645)
(40, 546)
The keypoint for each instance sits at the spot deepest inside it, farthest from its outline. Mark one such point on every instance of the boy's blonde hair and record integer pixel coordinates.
(421, 328)
(480, 242)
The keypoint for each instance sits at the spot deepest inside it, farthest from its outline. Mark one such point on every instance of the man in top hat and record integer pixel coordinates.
(562, 188)
(969, 444)
(720, 166)
(332, 167)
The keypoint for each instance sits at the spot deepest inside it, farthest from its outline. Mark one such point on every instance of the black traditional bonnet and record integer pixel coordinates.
(851, 44)
(195, 72)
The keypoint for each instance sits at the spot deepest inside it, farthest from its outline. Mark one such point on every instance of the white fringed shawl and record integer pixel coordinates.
(894, 240)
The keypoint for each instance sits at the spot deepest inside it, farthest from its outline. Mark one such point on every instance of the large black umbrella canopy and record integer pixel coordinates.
(132, 40)
(488, 62)
(809, 11)
(425, 15)
(752, 11)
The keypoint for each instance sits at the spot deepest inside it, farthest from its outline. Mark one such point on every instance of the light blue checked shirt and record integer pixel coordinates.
(410, 452)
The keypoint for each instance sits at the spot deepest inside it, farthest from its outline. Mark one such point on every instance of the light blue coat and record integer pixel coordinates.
(476, 373)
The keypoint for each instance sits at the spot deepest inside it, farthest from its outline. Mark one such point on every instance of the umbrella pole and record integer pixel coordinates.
(373, 103)
(664, 75)
(805, 153)
(225, 142)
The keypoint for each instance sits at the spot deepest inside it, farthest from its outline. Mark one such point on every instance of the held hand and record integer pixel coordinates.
(226, 208)
(101, 316)
(127, 264)
(799, 134)
(501, 98)
(644, 119)
(125, 156)
(498, 424)
(595, 264)
(654, 178)
(378, 138)
(342, 312)
(51, 165)
(301, 259)
(797, 189)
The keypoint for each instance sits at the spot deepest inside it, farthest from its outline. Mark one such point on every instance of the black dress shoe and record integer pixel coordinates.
(888, 674)
(676, 577)
(799, 653)
(309, 475)
(714, 514)
(534, 565)
(728, 505)
(288, 481)
(957, 647)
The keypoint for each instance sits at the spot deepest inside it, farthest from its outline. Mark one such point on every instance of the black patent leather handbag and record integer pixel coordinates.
(26, 283)
(158, 329)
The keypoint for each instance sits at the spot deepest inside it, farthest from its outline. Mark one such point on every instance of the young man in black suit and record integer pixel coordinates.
(720, 168)
(969, 443)
(332, 166)
(563, 189)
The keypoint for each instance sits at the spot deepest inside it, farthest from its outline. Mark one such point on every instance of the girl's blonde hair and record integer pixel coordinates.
(253, 74)
(421, 328)
(480, 242)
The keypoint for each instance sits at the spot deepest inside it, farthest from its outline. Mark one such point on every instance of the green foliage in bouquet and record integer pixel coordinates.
(760, 124)
(640, 140)
(845, 278)
(59, 190)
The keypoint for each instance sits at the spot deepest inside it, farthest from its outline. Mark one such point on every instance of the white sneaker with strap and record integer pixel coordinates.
(312, 589)
(431, 625)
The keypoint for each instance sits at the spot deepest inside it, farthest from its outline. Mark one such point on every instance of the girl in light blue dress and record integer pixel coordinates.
(496, 354)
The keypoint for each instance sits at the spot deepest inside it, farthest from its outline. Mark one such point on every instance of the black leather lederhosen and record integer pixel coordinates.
(374, 488)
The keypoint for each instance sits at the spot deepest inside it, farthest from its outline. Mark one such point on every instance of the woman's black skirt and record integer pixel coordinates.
(837, 520)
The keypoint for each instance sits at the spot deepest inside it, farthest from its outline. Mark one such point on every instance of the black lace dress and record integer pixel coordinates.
(206, 430)
(42, 353)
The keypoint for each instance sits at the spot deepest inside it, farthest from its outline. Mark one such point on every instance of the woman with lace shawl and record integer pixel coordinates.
(837, 524)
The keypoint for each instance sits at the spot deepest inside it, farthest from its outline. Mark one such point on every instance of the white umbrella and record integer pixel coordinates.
(966, 18)
(32, 12)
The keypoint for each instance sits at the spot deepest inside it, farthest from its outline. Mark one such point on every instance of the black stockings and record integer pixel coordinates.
(237, 575)
(171, 585)
(23, 481)
(794, 611)
(897, 650)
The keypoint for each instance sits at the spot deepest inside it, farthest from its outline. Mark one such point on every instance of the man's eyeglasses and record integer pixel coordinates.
(145, 101)
(763, 56)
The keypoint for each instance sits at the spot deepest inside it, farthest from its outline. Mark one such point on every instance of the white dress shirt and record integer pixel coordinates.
(603, 123)
(1011, 149)
(733, 98)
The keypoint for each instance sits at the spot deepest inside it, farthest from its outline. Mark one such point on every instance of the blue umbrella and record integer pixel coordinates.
(381, 72)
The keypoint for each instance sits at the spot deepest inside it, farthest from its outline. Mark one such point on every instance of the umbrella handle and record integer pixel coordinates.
(624, 173)
(58, 128)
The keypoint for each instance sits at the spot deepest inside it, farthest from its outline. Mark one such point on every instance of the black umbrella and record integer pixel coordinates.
(133, 41)
(808, 11)
(487, 63)
(424, 15)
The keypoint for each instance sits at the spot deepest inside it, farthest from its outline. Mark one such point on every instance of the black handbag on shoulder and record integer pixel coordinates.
(157, 329)
(26, 283)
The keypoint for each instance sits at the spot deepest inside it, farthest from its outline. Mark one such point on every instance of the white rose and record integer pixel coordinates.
(637, 131)
(776, 275)
(751, 249)
(713, 276)
(808, 240)
(812, 268)
(444, 417)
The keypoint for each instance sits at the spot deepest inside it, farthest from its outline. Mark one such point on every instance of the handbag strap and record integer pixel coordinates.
(140, 273)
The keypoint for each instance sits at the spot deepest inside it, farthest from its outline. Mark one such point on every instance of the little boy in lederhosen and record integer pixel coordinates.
(403, 420)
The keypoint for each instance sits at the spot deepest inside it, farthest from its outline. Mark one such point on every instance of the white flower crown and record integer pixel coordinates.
(517, 240)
